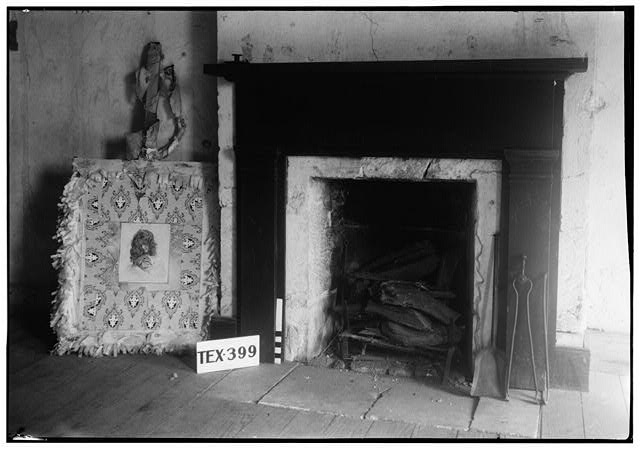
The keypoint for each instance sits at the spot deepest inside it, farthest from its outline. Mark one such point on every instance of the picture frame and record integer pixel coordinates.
(136, 262)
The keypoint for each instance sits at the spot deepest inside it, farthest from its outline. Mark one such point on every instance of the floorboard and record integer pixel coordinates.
(268, 423)
(307, 425)
(153, 416)
(37, 405)
(562, 416)
(50, 372)
(476, 435)
(146, 380)
(605, 396)
(222, 419)
(625, 382)
(23, 355)
(424, 431)
(203, 418)
(347, 427)
(390, 429)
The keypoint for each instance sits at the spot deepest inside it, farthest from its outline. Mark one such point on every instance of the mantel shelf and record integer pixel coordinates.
(556, 68)
(402, 227)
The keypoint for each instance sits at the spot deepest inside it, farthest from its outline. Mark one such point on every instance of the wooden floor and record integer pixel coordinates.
(161, 397)
(604, 411)
(140, 396)
(137, 396)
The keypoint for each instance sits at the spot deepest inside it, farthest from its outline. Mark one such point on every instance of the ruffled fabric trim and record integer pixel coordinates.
(112, 343)
(66, 308)
(67, 260)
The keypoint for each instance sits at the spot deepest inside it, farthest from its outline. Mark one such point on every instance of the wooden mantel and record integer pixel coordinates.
(556, 68)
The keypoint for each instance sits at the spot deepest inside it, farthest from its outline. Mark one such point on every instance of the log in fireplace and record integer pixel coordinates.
(306, 132)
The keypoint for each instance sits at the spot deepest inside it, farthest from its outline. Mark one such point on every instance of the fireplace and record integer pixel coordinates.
(306, 134)
(430, 220)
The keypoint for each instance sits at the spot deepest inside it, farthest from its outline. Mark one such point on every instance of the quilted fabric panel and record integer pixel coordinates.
(145, 279)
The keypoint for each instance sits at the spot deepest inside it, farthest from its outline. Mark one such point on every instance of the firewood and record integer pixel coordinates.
(407, 295)
(401, 334)
(382, 343)
(410, 263)
(406, 316)
(439, 294)
(370, 332)
(415, 270)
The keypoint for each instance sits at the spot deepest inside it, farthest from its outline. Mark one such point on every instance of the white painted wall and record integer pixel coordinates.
(607, 281)
(594, 272)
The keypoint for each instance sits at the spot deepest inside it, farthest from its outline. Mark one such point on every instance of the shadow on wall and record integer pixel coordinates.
(202, 89)
(203, 120)
(116, 148)
(34, 264)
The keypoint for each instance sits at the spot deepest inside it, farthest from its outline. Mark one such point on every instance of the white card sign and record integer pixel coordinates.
(226, 354)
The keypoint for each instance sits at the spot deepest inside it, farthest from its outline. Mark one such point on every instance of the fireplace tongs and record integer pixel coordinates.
(522, 281)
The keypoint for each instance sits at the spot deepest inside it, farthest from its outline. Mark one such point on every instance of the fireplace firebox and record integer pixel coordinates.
(394, 252)
(348, 127)
(403, 278)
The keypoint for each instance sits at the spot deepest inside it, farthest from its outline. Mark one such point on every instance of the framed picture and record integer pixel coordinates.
(147, 259)
(136, 260)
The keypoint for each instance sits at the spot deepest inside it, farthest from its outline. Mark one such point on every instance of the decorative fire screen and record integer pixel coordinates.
(136, 263)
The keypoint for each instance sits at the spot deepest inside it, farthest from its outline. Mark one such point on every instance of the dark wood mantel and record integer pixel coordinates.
(536, 67)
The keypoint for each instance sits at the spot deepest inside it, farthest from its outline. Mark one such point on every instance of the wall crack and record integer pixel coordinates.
(372, 31)
(477, 330)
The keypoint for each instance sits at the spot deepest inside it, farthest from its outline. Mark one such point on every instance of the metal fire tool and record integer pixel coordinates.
(545, 393)
(525, 282)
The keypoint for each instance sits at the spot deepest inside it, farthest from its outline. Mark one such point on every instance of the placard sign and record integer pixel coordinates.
(226, 354)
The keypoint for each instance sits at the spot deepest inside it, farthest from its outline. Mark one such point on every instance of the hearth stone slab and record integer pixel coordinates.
(422, 431)
(519, 416)
(390, 429)
(327, 391)
(416, 402)
(250, 384)
(474, 435)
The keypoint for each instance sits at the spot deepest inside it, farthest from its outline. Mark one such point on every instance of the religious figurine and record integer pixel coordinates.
(164, 125)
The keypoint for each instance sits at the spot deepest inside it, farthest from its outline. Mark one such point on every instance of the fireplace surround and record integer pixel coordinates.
(395, 117)
(310, 252)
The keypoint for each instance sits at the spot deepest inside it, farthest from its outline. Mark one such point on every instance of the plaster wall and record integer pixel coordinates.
(607, 273)
(72, 93)
(590, 227)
